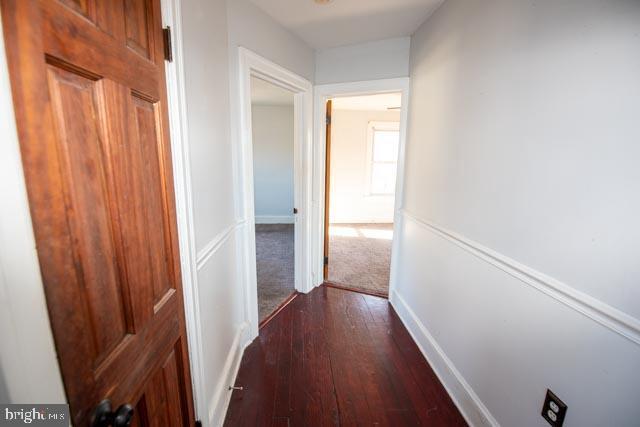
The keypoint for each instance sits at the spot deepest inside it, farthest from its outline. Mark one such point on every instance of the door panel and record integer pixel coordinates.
(161, 398)
(136, 23)
(99, 291)
(147, 134)
(89, 93)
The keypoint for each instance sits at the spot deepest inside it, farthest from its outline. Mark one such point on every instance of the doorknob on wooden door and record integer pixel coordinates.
(103, 416)
(123, 416)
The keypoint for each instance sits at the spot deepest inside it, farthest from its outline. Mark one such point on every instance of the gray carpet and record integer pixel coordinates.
(360, 256)
(274, 259)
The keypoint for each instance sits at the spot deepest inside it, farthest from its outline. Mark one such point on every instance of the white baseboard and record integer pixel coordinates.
(220, 401)
(467, 401)
(272, 219)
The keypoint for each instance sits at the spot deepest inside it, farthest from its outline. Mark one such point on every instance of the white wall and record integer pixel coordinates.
(272, 127)
(520, 244)
(251, 28)
(207, 92)
(382, 59)
(349, 138)
(220, 289)
(28, 363)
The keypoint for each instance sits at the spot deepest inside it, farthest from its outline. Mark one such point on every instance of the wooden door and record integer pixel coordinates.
(327, 188)
(89, 92)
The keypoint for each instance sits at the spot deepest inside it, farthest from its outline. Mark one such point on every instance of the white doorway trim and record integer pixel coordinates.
(252, 64)
(322, 94)
(179, 131)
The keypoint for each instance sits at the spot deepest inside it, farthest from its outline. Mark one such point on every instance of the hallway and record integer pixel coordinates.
(335, 357)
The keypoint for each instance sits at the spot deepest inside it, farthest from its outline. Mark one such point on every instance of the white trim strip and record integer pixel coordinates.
(179, 130)
(212, 247)
(593, 308)
(272, 219)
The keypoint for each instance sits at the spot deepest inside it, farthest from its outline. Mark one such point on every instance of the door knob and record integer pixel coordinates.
(103, 415)
(123, 416)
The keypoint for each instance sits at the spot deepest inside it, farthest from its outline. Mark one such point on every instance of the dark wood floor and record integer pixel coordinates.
(336, 357)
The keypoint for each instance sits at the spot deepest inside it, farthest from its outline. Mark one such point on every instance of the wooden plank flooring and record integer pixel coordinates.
(336, 357)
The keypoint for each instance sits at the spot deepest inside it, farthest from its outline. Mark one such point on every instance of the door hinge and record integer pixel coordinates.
(326, 260)
(328, 119)
(295, 210)
(198, 423)
(168, 49)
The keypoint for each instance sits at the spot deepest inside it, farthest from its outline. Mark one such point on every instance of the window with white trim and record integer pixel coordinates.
(382, 164)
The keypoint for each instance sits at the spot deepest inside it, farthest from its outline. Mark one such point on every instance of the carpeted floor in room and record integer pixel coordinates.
(275, 266)
(360, 256)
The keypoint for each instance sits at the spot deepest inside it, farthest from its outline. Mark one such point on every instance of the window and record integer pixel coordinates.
(384, 138)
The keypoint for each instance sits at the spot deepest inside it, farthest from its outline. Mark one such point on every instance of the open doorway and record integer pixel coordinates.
(362, 152)
(251, 66)
(272, 124)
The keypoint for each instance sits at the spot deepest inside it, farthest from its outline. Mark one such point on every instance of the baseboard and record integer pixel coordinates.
(467, 401)
(220, 401)
(274, 219)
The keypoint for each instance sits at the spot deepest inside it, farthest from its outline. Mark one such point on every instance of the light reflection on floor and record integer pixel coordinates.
(369, 233)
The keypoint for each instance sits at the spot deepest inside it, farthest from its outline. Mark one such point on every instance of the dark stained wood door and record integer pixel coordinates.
(327, 188)
(89, 91)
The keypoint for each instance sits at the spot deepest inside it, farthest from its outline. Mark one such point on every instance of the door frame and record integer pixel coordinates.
(322, 94)
(179, 131)
(250, 65)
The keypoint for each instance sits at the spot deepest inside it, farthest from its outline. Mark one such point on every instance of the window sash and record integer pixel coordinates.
(376, 167)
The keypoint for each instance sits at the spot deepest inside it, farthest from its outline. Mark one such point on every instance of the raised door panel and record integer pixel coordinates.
(83, 7)
(148, 131)
(161, 396)
(108, 15)
(137, 18)
(99, 292)
(159, 404)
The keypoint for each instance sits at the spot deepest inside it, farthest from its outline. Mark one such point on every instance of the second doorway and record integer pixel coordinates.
(272, 122)
(363, 138)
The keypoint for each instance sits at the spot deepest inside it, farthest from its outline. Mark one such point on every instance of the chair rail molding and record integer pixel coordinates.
(593, 308)
(205, 254)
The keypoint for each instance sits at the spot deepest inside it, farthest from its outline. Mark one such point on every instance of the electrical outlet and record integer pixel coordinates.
(554, 409)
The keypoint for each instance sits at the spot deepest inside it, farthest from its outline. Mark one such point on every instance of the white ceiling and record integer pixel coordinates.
(343, 22)
(265, 93)
(380, 102)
